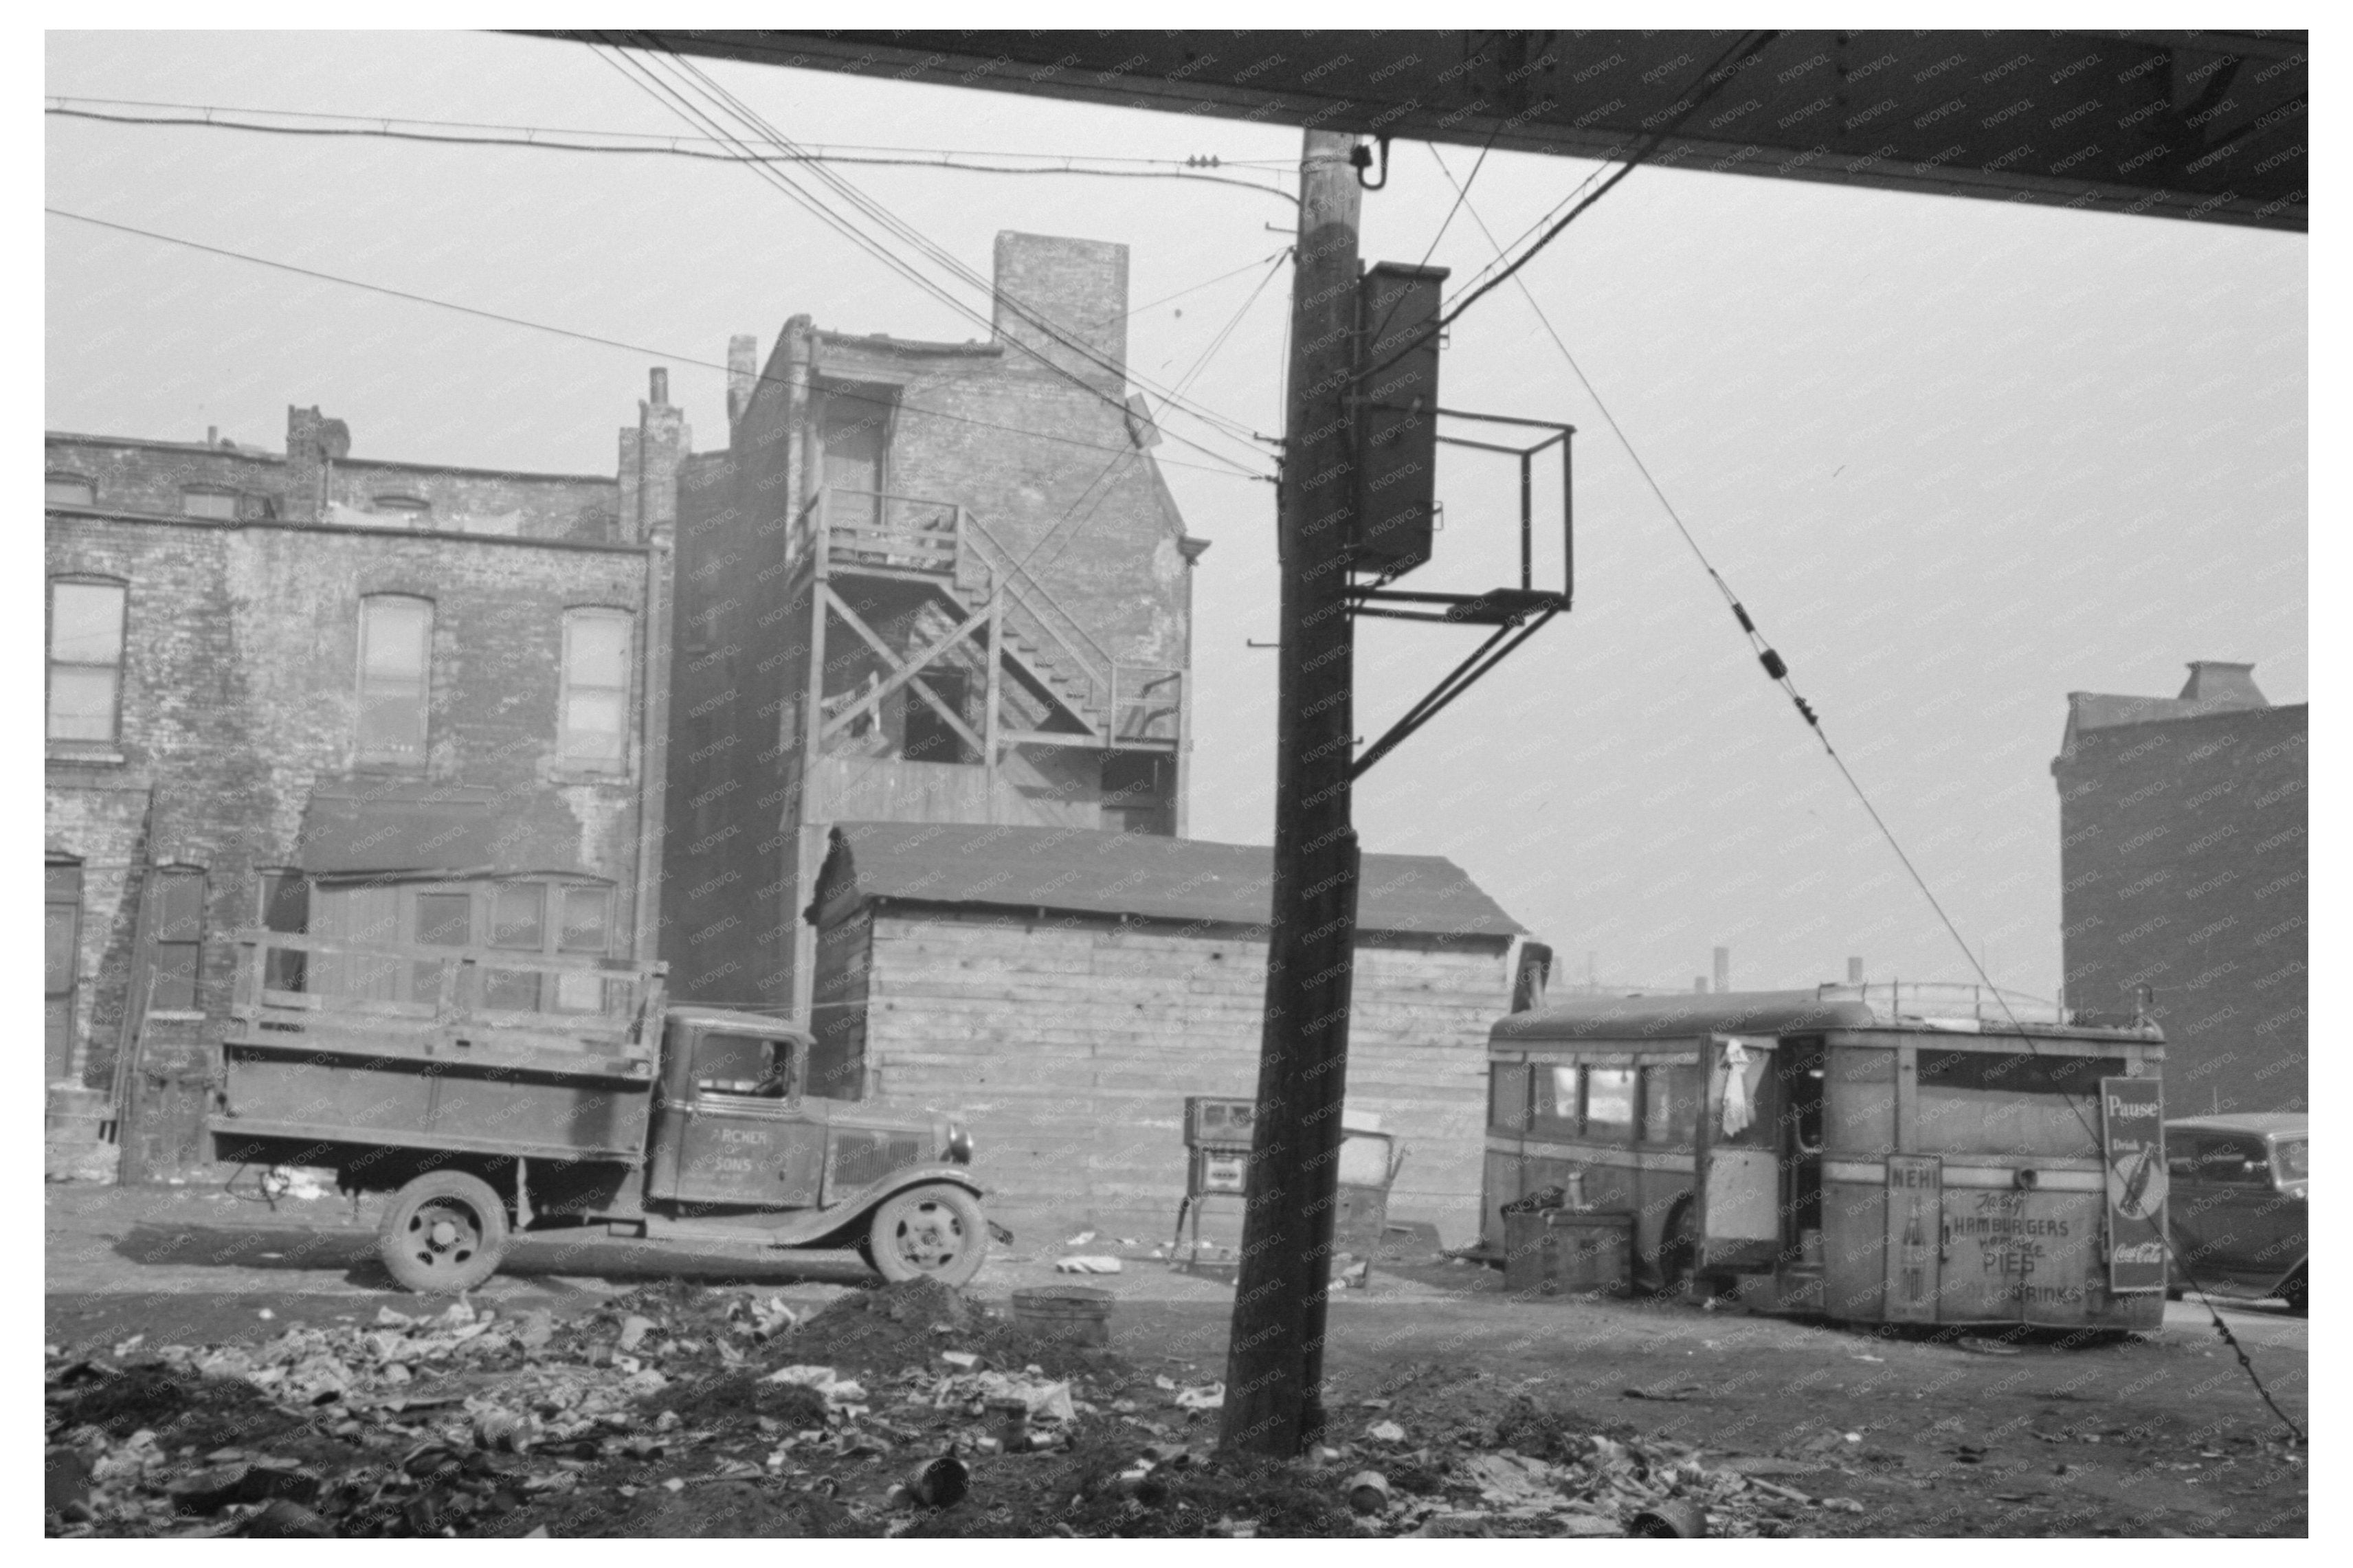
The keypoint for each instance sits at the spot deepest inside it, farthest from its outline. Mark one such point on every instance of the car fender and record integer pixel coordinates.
(2280, 1279)
(844, 1219)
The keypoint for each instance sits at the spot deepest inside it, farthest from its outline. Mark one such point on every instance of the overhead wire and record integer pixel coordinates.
(669, 355)
(679, 85)
(1712, 76)
(1776, 669)
(541, 142)
(942, 256)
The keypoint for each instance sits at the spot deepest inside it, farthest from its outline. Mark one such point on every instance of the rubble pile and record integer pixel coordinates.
(907, 1410)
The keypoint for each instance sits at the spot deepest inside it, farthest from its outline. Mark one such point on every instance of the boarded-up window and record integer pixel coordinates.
(61, 964)
(220, 504)
(396, 661)
(595, 699)
(1507, 1096)
(179, 937)
(69, 490)
(2011, 1103)
(85, 659)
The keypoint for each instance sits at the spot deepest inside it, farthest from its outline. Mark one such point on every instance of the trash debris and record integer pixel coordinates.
(1385, 1432)
(1669, 1392)
(1080, 1240)
(1211, 1396)
(1097, 1264)
(1368, 1492)
(1669, 1519)
(634, 1331)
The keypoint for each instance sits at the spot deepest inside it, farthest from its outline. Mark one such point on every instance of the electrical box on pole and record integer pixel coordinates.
(1395, 418)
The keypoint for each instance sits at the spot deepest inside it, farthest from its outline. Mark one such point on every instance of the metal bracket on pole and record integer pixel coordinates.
(1524, 609)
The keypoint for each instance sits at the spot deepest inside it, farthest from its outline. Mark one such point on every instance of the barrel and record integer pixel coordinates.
(1071, 1312)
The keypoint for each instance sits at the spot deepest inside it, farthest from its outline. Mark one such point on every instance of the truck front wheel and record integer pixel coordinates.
(443, 1232)
(935, 1232)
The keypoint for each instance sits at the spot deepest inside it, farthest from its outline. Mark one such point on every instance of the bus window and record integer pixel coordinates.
(1670, 1102)
(1553, 1112)
(2011, 1103)
(1507, 1096)
(1609, 1104)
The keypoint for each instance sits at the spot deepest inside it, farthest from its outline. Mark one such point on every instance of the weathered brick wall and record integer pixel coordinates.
(1069, 1045)
(2183, 858)
(240, 695)
(151, 476)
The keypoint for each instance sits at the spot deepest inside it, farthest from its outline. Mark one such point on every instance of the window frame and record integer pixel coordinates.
(383, 758)
(51, 664)
(67, 476)
(221, 492)
(165, 879)
(568, 684)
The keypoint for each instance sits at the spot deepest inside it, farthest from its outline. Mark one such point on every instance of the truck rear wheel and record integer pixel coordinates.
(933, 1232)
(443, 1232)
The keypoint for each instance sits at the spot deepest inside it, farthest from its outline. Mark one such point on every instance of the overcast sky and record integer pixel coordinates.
(1958, 458)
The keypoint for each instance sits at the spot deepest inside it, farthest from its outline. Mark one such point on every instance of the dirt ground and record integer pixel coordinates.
(1767, 1427)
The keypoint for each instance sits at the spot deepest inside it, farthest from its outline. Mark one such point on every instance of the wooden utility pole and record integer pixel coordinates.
(1274, 1367)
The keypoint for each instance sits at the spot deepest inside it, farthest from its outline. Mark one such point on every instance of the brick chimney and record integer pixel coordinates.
(650, 457)
(1077, 288)
(2211, 680)
(314, 444)
(743, 377)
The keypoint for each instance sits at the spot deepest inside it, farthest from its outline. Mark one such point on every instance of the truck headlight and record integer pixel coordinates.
(959, 1145)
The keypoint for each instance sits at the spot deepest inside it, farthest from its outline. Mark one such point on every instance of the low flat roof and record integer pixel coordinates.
(1684, 1017)
(1084, 870)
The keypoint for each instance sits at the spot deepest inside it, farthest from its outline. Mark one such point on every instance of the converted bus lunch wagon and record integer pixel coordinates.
(1844, 1153)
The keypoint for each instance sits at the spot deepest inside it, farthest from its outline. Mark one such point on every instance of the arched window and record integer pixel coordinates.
(594, 701)
(85, 692)
(396, 679)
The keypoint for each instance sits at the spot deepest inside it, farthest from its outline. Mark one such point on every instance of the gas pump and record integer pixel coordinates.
(1217, 1163)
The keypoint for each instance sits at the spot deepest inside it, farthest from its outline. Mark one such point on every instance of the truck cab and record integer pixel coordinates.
(735, 1126)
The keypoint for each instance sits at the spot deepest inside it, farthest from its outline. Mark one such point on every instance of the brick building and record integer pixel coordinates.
(928, 583)
(2182, 858)
(1065, 989)
(354, 697)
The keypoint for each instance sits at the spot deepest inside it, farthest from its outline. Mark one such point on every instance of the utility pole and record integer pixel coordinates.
(1274, 1367)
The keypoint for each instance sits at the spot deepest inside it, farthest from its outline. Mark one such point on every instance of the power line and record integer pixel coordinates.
(941, 256)
(1213, 161)
(1722, 70)
(541, 141)
(640, 71)
(667, 354)
(1776, 669)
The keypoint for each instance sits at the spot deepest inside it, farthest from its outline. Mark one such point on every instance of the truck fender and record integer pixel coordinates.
(850, 1214)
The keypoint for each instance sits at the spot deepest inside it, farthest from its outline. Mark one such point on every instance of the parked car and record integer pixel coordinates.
(2236, 1211)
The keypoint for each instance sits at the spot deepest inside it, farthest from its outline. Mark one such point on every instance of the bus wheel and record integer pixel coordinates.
(1679, 1252)
(443, 1232)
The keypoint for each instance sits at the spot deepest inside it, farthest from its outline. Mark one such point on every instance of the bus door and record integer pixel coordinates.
(1739, 1155)
(1800, 1075)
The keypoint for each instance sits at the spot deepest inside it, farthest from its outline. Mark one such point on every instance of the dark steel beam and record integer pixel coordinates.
(2209, 125)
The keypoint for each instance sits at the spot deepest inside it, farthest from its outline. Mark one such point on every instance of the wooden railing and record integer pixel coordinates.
(408, 989)
(1122, 702)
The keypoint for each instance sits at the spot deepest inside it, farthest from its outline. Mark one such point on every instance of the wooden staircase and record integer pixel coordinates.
(944, 547)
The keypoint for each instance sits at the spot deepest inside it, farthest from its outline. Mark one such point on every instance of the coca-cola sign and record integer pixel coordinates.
(2132, 1140)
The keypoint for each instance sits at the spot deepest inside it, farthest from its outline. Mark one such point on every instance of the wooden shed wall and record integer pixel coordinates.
(1068, 1045)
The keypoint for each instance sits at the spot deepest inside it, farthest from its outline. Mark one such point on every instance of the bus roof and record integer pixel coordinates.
(1678, 1016)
